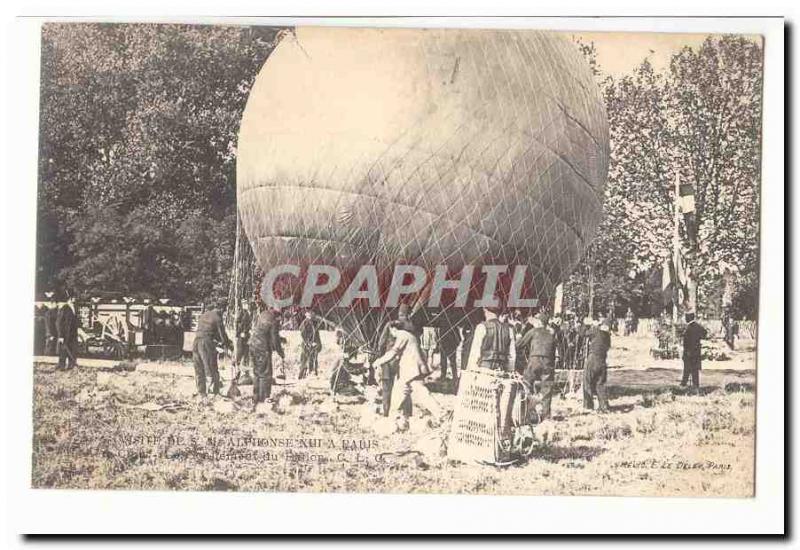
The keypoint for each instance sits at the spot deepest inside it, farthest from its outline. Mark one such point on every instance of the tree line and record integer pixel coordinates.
(698, 120)
(137, 156)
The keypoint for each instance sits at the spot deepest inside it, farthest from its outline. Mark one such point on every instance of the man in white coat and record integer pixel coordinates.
(411, 374)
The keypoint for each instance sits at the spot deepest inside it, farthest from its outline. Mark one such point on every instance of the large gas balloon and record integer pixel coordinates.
(429, 147)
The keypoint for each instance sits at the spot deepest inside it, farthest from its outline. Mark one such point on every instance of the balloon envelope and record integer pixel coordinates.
(428, 146)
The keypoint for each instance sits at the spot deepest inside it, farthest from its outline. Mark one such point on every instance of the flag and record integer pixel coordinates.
(667, 282)
(686, 203)
(681, 275)
(666, 274)
(680, 278)
(674, 280)
(686, 199)
(558, 302)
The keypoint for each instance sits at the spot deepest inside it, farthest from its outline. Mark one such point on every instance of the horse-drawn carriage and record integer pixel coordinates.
(113, 326)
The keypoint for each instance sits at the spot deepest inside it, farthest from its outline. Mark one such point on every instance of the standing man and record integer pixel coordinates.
(67, 332)
(595, 371)
(177, 330)
(311, 345)
(389, 369)
(264, 339)
(729, 327)
(244, 322)
(692, 337)
(628, 322)
(494, 348)
(51, 329)
(558, 334)
(411, 373)
(429, 343)
(523, 345)
(569, 342)
(210, 332)
(39, 331)
(467, 332)
(517, 322)
(584, 333)
(148, 323)
(449, 339)
(542, 361)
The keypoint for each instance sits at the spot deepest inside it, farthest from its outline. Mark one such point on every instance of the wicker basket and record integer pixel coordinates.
(488, 405)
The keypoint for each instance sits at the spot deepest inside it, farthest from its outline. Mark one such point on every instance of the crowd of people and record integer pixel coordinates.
(164, 326)
(531, 348)
(56, 332)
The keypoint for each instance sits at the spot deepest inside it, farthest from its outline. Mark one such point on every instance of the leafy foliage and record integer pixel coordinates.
(137, 155)
(700, 120)
(138, 128)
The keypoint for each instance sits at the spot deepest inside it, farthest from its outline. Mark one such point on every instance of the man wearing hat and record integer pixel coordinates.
(264, 339)
(542, 361)
(493, 346)
(411, 372)
(595, 370)
(67, 333)
(210, 332)
(389, 369)
(692, 337)
(524, 343)
(51, 329)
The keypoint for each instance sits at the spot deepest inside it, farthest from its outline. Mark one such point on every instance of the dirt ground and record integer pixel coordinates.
(144, 430)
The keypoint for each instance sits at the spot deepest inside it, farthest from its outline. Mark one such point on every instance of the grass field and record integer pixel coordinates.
(143, 430)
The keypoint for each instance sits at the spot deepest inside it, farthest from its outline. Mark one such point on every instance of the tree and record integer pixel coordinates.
(701, 120)
(138, 133)
(636, 228)
(715, 100)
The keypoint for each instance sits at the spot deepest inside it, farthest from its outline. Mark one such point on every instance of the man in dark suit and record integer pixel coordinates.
(311, 346)
(244, 322)
(148, 323)
(39, 337)
(541, 361)
(595, 371)
(692, 337)
(210, 332)
(51, 329)
(264, 340)
(67, 333)
(449, 339)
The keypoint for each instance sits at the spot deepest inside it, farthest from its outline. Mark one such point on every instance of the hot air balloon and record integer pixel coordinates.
(422, 146)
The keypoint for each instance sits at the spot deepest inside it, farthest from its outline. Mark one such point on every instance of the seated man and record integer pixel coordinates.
(349, 376)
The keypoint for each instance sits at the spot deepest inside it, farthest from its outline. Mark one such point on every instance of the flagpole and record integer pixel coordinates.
(676, 251)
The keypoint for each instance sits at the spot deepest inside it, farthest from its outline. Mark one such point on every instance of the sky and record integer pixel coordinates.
(619, 52)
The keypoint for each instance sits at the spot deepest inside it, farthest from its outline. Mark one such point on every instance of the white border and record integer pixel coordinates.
(32, 511)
